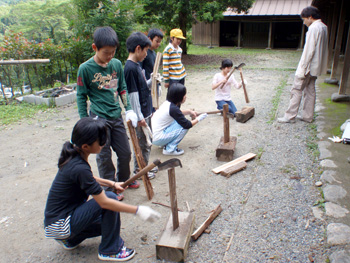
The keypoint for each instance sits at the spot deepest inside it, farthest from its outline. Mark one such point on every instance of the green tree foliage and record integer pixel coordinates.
(117, 14)
(38, 20)
(183, 13)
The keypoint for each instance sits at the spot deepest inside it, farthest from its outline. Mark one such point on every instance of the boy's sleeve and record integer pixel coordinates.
(166, 57)
(82, 92)
(123, 91)
(130, 79)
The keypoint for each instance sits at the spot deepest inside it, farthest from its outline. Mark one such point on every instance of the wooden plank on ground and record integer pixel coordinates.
(234, 169)
(245, 157)
(206, 223)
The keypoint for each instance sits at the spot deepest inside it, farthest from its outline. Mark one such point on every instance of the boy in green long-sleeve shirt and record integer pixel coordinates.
(101, 79)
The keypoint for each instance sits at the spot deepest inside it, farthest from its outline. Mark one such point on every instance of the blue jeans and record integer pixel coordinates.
(231, 107)
(170, 137)
(90, 220)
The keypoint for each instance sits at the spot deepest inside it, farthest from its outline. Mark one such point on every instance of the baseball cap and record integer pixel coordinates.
(176, 32)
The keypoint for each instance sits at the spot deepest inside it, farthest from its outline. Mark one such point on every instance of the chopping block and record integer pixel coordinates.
(227, 144)
(175, 239)
(245, 114)
(173, 245)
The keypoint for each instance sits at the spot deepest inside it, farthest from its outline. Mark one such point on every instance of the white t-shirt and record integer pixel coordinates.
(225, 92)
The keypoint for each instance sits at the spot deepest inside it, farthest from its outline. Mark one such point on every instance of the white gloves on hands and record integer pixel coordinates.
(201, 117)
(148, 214)
(131, 115)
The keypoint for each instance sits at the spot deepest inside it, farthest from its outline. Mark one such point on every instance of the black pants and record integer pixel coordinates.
(119, 141)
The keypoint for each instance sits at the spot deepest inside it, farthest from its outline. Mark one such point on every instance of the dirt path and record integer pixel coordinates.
(267, 211)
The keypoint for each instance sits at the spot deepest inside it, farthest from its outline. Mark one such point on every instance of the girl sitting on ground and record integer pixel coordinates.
(169, 122)
(70, 217)
(222, 86)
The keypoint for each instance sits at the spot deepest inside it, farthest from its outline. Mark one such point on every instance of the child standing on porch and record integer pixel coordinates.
(222, 86)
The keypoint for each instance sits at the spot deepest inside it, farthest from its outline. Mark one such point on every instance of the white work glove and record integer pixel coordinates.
(201, 117)
(146, 213)
(131, 115)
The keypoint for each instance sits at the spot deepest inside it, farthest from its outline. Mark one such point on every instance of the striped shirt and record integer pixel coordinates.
(58, 230)
(172, 65)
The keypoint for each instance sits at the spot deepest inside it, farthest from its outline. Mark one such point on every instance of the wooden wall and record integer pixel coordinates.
(201, 34)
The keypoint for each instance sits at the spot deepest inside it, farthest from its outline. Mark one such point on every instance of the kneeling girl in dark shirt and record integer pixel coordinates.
(70, 217)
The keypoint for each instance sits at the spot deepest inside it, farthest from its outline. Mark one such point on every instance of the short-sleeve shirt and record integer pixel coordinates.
(165, 115)
(225, 92)
(136, 82)
(71, 188)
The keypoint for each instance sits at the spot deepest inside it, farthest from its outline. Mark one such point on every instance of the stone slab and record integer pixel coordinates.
(339, 257)
(333, 192)
(338, 234)
(339, 97)
(328, 164)
(328, 176)
(335, 210)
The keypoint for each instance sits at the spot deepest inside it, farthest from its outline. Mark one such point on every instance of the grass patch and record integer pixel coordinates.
(276, 99)
(288, 169)
(311, 141)
(14, 112)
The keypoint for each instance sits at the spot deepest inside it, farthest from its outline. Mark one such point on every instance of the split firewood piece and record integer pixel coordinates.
(245, 157)
(234, 169)
(140, 161)
(196, 234)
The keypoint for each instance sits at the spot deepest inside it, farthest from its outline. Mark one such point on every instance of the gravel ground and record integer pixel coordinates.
(267, 208)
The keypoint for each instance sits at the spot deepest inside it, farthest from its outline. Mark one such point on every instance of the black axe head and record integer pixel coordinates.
(171, 163)
(240, 66)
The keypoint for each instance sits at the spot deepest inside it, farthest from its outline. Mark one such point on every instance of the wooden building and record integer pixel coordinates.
(267, 24)
(277, 24)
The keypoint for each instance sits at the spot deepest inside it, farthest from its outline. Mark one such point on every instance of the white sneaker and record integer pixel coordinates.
(176, 152)
(285, 120)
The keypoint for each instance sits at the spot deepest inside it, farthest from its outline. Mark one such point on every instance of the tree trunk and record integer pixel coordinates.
(29, 80)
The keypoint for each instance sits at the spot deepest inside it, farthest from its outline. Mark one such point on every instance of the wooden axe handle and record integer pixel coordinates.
(244, 89)
(228, 76)
(140, 173)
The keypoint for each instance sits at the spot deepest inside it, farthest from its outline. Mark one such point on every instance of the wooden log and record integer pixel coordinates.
(206, 223)
(24, 61)
(154, 90)
(226, 124)
(244, 88)
(140, 161)
(173, 198)
(234, 169)
(173, 245)
(245, 157)
(245, 114)
(224, 151)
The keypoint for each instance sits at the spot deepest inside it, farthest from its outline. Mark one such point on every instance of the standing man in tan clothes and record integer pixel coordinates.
(313, 63)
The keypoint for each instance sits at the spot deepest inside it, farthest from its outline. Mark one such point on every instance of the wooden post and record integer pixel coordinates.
(239, 34)
(154, 90)
(269, 41)
(140, 161)
(244, 88)
(173, 198)
(302, 36)
(226, 124)
(332, 35)
(345, 74)
(338, 41)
